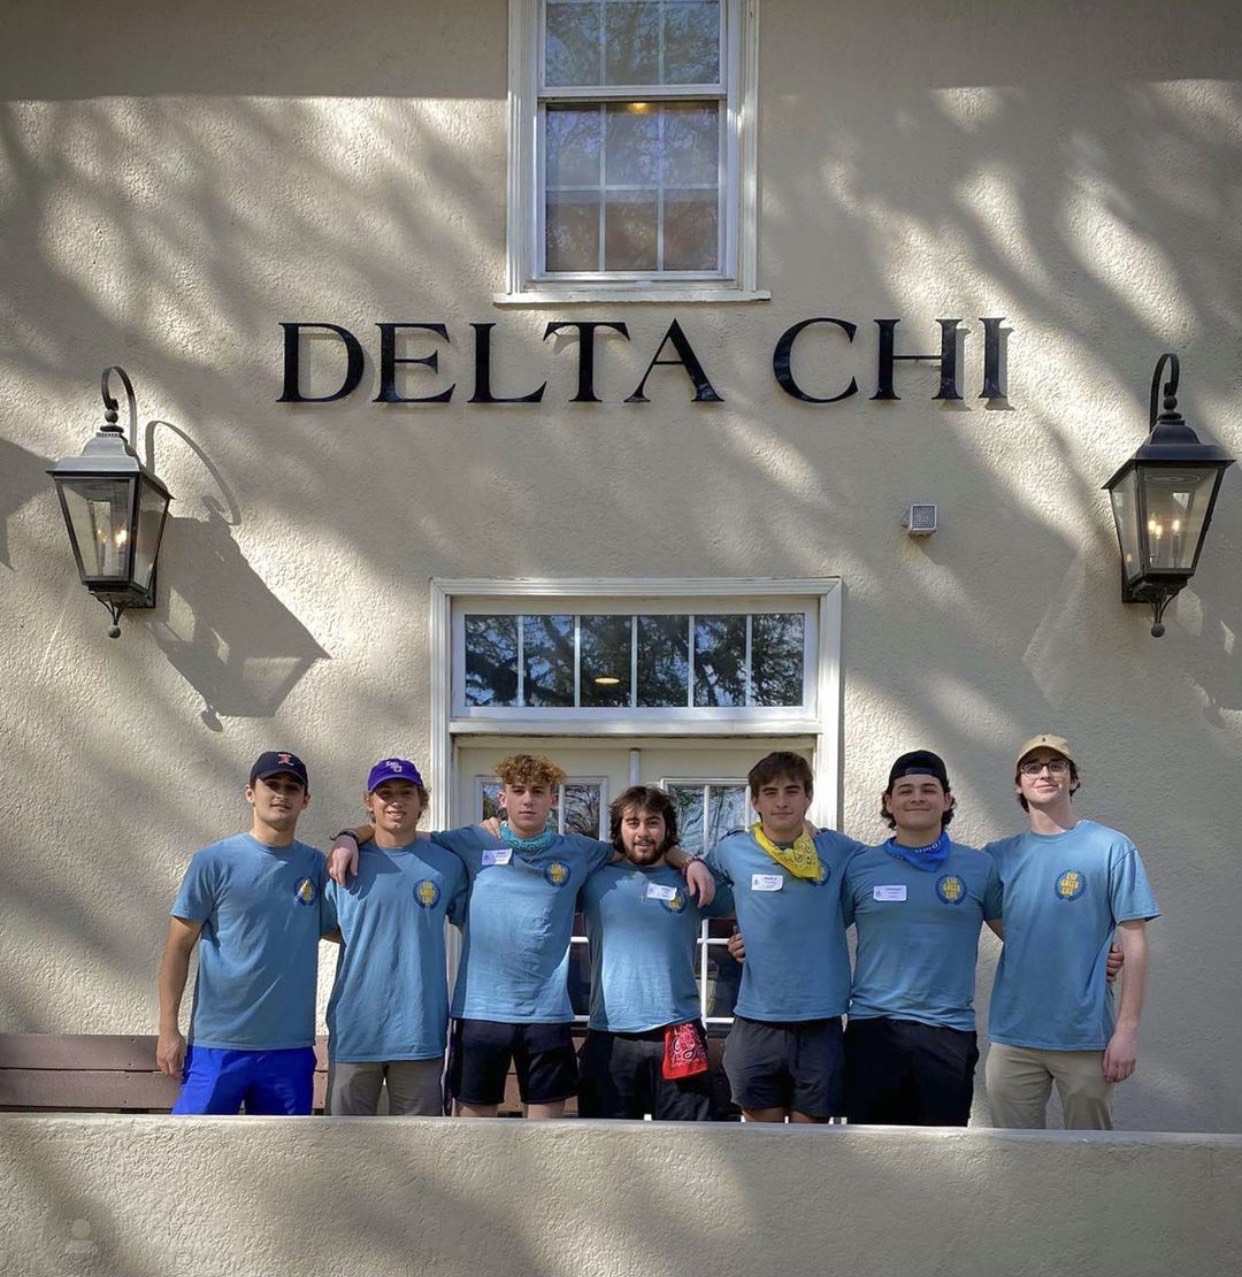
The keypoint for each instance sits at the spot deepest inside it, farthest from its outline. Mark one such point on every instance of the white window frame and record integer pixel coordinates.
(819, 721)
(525, 286)
(540, 718)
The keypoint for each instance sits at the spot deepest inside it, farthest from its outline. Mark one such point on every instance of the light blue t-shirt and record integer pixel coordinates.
(641, 928)
(390, 999)
(918, 934)
(258, 953)
(519, 918)
(797, 962)
(1064, 895)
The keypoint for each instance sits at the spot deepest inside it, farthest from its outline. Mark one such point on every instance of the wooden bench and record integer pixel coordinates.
(97, 1072)
(116, 1073)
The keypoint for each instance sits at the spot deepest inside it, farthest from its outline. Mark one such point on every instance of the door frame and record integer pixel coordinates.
(824, 726)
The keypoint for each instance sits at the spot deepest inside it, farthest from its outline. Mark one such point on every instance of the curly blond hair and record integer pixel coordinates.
(529, 769)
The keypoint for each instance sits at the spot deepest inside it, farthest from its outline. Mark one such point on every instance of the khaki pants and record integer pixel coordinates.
(414, 1088)
(1020, 1082)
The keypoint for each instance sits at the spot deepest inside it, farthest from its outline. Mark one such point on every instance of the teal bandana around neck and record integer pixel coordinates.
(528, 846)
(926, 858)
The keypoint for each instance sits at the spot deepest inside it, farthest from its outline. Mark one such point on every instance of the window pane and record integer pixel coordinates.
(633, 144)
(490, 804)
(491, 660)
(572, 234)
(578, 978)
(663, 660)
(630, 234)
(692, 43)
(580, 809)
(688, 802)
(691, 144)
(548, 656)
(724, 978)
(573, 146)
(631, 42)
(572, 44)
(720, 660)
(690, 237)
(726, 811)
(776, 651)
(604, 662)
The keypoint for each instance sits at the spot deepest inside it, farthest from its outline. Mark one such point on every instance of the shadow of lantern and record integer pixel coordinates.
(223, 630)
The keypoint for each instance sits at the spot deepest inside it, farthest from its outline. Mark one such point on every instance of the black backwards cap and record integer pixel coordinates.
(919, 762)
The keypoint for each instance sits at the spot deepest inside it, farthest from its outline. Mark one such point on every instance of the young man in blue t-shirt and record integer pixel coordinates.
(1069, 885)
(645, 1050)
(388, 1014)
(251, 903)
(917, 903)
(784, 1052)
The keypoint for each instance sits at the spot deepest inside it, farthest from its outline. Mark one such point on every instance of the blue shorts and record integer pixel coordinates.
(270, 1083)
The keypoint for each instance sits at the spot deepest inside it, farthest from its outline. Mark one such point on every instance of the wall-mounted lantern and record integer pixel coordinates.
(1162, 503)
(114, 508)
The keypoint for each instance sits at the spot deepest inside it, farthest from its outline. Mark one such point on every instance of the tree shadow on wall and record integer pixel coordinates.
(223, 629)
(25, 476)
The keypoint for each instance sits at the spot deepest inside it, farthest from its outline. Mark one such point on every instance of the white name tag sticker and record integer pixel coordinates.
(766, 882)
(497, 856)
(897, 892)
(657, 891)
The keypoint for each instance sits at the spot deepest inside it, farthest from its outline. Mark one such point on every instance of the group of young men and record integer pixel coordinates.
(1057, 894)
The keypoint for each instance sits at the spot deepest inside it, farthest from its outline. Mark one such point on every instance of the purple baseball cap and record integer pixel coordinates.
(393, 769)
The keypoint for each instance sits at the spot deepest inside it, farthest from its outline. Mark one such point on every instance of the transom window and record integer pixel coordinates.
(636, 661)
(631, 148)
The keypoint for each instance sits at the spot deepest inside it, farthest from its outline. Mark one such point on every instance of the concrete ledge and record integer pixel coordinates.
(339, 1197)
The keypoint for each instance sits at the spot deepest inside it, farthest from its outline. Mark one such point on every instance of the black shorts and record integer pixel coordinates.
(480, 1052)
(904, 1073)
(796, 1065)
(623, 1077)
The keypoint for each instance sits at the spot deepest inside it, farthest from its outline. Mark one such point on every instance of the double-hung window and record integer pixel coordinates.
(632, 150)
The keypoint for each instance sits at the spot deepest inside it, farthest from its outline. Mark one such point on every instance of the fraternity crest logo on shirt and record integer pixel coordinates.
(676, 903)
(1071, 884)
(427, 893)
(304, 893)
(557, 873)
(951, 889)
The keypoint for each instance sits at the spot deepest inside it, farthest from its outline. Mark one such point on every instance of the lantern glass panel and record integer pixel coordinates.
(98, 511)
(152, 506)
(1176, 504)
(1124, 496)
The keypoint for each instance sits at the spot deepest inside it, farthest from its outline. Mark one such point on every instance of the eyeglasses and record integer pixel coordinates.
(1055, 766)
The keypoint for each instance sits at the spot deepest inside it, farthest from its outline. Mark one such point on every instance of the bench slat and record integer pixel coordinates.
(86, 1089)
(134, 1052)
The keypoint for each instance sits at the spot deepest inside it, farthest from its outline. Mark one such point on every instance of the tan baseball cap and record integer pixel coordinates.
(1044, 741)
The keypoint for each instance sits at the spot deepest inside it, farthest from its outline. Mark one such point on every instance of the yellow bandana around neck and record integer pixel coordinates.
(802, 860)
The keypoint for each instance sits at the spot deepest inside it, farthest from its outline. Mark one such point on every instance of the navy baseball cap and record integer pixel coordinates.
(274, 762)
(920, 762)
(393, 769)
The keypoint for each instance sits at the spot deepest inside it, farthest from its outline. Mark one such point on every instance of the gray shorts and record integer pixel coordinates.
(414, 1087)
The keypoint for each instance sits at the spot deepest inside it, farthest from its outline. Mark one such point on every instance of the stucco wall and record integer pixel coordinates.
(174, 183)
(138, 1196)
